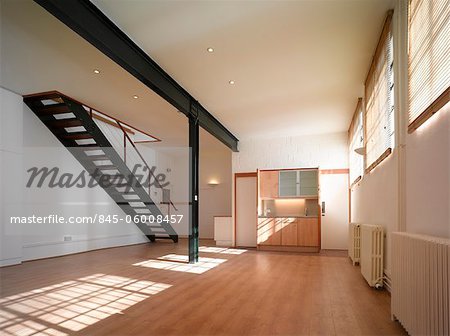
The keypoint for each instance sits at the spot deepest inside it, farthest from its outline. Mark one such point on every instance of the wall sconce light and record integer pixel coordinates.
(213, 183)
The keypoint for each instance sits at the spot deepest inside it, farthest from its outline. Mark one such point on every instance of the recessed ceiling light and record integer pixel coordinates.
(135, 96)
(96, 71)
(231, 82)
(210, 50)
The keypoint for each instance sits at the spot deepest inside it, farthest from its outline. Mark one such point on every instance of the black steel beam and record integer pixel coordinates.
(193, 188)
(89, 22)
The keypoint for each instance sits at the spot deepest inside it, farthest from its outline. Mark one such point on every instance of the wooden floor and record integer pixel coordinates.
(137, 290)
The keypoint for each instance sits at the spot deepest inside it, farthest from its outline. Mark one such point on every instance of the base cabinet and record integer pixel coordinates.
(269, 231)
(307, 232)
(289, 234)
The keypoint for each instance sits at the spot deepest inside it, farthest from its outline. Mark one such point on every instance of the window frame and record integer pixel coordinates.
(354, 131)
(434, 105)
(386, 32)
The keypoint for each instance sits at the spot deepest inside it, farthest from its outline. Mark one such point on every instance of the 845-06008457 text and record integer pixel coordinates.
(97, 218)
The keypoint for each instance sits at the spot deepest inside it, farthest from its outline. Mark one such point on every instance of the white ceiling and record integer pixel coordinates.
(298, 65)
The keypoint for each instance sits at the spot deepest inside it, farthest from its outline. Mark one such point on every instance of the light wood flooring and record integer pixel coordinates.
(149, 290)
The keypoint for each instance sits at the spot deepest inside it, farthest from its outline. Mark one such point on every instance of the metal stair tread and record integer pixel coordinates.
(77, 136)
(53, 109)
(64, 123)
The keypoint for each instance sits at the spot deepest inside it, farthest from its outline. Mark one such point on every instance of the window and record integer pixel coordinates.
(379, 91)
(428, 59)
(356, 140)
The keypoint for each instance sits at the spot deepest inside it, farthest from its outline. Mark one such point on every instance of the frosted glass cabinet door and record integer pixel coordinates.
(308, 183)
(288, 183)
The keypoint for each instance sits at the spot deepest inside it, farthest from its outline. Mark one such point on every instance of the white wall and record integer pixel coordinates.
(177, 160)
(327, 151)
(215, 164)
(173, 162)
(214, 200)
(374, 200)
(10, 176)
(428, 177)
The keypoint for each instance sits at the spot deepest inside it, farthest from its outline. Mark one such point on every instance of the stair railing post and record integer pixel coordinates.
(124, 147)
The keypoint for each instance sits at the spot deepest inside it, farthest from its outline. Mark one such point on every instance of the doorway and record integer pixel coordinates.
(246, 209)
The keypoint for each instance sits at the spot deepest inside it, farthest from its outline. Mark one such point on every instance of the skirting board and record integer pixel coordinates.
(54, 249)
(224, 243)
(10, 262)
(312, 249)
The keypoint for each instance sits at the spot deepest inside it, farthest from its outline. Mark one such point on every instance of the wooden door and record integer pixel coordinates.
(245, 209)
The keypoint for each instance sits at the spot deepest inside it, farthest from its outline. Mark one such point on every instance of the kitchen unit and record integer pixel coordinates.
(288, 210)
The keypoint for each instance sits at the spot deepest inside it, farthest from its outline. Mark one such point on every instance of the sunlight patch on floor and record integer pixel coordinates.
(71, 306)
(222, 250)
(179, 263)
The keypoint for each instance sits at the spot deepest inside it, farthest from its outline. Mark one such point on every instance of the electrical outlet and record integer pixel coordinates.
(67, 238)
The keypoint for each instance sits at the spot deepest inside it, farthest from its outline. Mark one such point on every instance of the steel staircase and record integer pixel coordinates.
(72, 123)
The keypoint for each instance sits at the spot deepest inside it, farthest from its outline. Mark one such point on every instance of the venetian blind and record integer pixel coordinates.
(428, 58)
(356, 140)
(379, 89)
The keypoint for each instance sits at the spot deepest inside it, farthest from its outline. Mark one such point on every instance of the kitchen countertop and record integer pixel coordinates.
(288, 216)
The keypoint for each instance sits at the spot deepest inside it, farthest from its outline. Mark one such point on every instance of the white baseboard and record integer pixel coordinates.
(41, 250)
(224, 243)
(10, 262)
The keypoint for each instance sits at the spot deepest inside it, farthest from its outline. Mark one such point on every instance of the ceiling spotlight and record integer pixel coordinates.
(231, 82)
(210, 50)
(135, 96)
(96, 71)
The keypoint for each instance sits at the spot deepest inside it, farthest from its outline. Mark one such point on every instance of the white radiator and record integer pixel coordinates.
(354, 242)
(420, 283)
(372, 239)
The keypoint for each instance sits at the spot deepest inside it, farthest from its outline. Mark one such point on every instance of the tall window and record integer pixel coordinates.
(428, 59)
(356, 141)
(379, 92)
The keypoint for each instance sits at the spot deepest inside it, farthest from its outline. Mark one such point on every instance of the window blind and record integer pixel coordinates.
(428, 58)
(356, 140)
(379, 94)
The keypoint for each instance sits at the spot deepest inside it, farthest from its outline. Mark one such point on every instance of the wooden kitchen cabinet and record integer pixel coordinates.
(298, 183)
(284, 193)
(268, 184)
(269, 231)
(308, 183)
(289, 232)
(292, 234)
(308, 232)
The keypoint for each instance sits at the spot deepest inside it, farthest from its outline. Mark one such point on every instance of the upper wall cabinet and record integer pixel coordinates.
(298, 183)
(288, 181)
(308, 183)
(268, 187)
